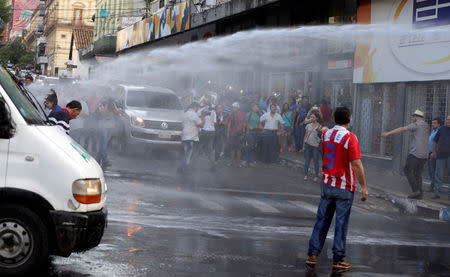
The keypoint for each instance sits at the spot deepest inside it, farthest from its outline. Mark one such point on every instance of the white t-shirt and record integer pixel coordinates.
(190, 126)
(209, 122)
(271, 122)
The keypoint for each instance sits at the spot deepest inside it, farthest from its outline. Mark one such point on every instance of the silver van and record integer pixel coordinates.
(152, 116)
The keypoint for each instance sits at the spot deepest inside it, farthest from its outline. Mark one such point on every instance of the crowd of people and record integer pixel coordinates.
(258, 132)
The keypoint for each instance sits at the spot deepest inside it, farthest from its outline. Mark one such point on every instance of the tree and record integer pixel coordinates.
(16, 53)
(5, 13)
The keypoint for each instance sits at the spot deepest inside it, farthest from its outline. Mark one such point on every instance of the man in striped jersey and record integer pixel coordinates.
(342, 166)
(63, 116)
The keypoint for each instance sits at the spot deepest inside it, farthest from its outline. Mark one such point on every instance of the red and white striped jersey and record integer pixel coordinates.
(340, 148)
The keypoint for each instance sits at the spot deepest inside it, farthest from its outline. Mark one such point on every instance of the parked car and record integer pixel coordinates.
(152, 116)
(52, 192)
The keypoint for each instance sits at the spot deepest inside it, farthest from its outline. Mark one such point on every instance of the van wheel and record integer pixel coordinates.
(23, 240)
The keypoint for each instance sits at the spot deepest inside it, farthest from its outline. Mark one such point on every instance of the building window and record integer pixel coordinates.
(63, 36)
(161, 4)
(77, 16)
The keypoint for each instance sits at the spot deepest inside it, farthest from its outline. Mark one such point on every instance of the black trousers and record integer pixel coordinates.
(413, 171)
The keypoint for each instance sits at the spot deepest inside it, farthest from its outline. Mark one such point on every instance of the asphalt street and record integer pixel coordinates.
(243, 222)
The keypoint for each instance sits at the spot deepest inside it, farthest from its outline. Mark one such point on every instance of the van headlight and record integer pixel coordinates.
(137, 121)
(87, 191)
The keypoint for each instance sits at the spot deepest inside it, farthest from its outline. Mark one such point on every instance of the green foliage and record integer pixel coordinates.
(5, 11)
(16, 53)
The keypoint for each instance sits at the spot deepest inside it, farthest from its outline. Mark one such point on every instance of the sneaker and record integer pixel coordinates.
(306, 178)
(415, 195)
(253, 164)
(315, 180)
(435, 196)
(341, 266)
(221, 154)
(244, 163)
(312, 260)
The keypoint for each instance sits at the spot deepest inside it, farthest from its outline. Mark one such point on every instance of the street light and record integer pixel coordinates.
(241, 91)
(230, 87)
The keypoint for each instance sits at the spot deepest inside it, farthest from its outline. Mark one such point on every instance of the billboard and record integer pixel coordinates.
(23, 10)
(162, 24)
(415, 48)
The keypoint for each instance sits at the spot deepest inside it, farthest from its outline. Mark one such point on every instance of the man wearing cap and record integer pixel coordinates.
(418, 151)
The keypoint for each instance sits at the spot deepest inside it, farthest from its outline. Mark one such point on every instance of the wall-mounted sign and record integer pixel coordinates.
(103, 13)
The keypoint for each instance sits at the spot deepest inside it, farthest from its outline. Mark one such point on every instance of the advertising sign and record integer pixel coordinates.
(23, 10)
(162, 24)
(416, 46)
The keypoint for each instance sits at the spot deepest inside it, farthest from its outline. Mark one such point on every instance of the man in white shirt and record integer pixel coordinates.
(191, 123)
(272, 123)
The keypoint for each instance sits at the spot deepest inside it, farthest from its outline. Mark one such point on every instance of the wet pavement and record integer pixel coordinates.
(244, 222)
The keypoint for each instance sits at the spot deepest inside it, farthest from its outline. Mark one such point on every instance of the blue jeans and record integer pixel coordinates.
(333, 200)
(104, 138)
(311, 151)
(431, 163)
(188, 146)
(250, 151)
(299, 136)
(441, 164)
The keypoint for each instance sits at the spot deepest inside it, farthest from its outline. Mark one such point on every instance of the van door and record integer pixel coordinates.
(4, 147)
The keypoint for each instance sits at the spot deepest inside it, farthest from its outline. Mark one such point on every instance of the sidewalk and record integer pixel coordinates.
(390, 186)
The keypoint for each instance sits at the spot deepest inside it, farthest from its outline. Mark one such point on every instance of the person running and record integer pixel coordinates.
(62, 117)
(51, 101)
(236, 131)
(341, 164)
(286, 136)
(418, 152)
(311, 144)
(273, 125)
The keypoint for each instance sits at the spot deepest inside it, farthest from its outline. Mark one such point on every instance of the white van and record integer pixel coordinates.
(52, 193)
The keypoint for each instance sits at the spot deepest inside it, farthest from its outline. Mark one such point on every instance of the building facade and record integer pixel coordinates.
(396, 74)
(62, 17)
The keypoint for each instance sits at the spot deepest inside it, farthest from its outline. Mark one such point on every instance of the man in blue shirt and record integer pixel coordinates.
(441, 152)
(435, 124)
(299, 125)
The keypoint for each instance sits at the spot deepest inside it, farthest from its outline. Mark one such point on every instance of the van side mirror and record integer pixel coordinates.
(6, 127)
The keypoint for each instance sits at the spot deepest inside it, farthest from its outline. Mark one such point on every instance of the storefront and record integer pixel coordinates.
(394, 75)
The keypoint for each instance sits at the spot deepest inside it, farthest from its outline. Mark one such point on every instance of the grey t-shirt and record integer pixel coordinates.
(313, 137)
(418, 146)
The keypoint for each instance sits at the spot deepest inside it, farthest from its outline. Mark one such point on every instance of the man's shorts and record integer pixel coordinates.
(236, 142)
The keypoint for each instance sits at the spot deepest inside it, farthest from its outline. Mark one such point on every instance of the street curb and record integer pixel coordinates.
(422, 208)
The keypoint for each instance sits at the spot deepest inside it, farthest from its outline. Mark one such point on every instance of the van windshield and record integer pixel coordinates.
(153, 100)
(19, 98)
